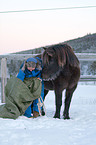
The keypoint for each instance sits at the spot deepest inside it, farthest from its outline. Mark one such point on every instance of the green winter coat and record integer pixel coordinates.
(19, 96)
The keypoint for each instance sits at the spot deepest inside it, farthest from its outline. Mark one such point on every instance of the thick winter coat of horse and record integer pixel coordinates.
(60, 71)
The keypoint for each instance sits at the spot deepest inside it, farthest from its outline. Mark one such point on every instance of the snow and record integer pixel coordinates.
(45, 130)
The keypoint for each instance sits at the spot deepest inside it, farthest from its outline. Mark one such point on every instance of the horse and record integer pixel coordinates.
(60, 71)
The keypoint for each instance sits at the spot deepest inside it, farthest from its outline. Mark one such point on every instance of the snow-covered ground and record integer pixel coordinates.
(79, 130)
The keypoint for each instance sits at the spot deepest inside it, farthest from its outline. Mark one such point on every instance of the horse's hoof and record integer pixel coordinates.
(67, 117)
(56, 116)
(43, 113)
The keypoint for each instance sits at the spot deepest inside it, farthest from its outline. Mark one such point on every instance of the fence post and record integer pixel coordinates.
(3, 78)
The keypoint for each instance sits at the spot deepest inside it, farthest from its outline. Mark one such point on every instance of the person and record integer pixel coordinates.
(22, 90)
(32, 67)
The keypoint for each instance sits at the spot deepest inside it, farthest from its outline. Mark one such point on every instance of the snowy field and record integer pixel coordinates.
(79, 130)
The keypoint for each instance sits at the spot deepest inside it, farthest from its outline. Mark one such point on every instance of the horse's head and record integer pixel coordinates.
(52, 63)
(54, 58)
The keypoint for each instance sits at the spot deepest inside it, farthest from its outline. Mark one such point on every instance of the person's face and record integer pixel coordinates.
(30, 68)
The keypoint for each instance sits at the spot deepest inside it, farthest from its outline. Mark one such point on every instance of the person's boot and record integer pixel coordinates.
(35, 114)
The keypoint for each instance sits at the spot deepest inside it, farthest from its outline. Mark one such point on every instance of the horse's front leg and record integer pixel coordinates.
(68, 97)
(58, 102)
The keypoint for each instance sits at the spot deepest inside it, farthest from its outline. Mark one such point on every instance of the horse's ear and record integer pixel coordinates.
(44, 48)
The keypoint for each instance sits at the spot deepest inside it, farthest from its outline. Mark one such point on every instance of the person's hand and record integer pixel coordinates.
(23, 67)
(39, 79)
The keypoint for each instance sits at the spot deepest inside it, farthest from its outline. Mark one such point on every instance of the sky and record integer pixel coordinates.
(28, 30)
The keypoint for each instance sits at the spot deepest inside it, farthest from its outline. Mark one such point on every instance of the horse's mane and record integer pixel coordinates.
(63, 53)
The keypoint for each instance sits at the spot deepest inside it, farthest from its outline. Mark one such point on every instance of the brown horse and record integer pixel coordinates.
(60, 71)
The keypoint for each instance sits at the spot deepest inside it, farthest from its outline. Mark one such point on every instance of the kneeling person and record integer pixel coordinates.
(32, 67)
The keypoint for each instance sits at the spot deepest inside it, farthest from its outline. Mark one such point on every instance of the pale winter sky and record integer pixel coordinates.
(28, 30)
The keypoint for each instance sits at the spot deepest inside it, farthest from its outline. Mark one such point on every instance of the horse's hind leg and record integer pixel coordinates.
(68, 97)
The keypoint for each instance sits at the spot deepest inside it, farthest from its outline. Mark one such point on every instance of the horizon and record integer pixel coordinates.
(48, 44)
(59, 42)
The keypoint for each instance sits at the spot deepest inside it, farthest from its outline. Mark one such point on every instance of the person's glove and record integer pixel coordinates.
(23, 67)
